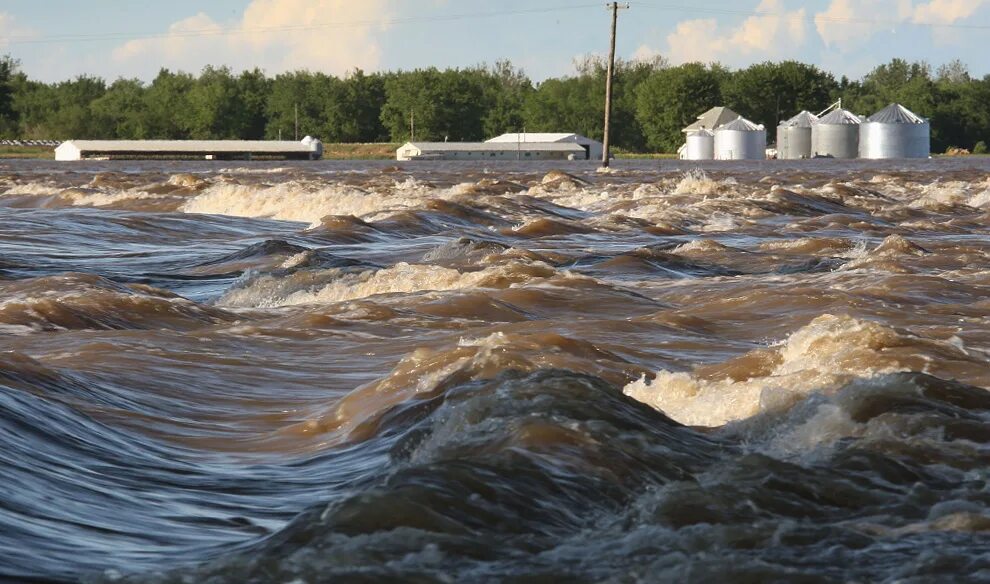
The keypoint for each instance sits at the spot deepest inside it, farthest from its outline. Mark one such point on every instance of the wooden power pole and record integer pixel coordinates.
(614, 7)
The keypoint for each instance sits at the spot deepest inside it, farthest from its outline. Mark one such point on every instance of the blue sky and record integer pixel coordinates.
(59, 39)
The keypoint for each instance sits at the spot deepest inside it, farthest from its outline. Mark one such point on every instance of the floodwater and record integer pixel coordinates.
(362, 372)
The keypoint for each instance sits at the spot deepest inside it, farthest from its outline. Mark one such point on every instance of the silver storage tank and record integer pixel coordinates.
(740, 139)
(794, 136)
(700, 145)
(836, 135)
(895, 132)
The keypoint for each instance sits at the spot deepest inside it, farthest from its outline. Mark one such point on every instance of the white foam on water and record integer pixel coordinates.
(822, 356)
(306, 288)
(33, 189)
(980, 199)
(938, 195)
(697, 182)
(293, 201)
(93, 198)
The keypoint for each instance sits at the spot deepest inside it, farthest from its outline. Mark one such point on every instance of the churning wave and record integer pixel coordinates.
(357, 372)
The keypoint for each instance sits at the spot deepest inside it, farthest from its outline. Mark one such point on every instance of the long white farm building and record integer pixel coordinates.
(307, 149)
(491, 151)
(594, 148)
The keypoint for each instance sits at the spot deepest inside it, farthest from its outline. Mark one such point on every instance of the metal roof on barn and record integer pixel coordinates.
(497, 146)
(712, 119)
(535, 137)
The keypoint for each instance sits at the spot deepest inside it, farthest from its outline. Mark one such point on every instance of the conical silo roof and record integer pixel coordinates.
(701, 132)
(896, 113)
(840, 117)
(804, 119)
(741, 124)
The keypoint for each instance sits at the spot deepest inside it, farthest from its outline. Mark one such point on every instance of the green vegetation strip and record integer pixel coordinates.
(653, 101)
(40, 152)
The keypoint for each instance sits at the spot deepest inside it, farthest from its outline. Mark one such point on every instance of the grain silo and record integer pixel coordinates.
(836, 135)
(700, 145)
(895, 132)
(794, 136)
(740, 139)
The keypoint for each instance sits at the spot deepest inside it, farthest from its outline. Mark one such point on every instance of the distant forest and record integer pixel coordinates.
(653, 101)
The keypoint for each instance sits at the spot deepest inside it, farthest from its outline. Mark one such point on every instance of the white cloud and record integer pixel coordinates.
(334, 36)
(10, 30)
(775, 32)
(848, 24)
(946, 11)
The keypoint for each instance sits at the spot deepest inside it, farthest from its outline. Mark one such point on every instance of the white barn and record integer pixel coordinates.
(490, 151)
(592, 147)
(306, 149)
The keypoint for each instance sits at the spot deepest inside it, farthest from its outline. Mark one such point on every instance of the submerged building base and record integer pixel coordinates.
(306, 149)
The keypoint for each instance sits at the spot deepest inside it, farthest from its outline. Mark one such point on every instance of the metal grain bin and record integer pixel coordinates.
(836, 135)
(700, 145)
(794, 136)
(740, 139)
(895, 132)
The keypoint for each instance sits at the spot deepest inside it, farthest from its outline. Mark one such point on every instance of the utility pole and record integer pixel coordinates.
(412, 125)
(297, 121)
(614, 7)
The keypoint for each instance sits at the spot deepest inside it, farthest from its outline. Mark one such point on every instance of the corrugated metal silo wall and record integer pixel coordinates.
(886, 141)
(793, 142)
(836, 140)
(700, 147)
(740, 145)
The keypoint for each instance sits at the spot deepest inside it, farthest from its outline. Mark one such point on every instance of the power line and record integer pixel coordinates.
(812, 18)
(24, 38)
(208, 32)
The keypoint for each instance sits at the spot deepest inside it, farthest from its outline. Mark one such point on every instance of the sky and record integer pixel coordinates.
(60, 39)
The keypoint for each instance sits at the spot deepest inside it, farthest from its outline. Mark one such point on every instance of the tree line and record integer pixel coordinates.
(653, 101)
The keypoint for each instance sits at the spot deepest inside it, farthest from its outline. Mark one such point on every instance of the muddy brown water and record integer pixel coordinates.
(336, 371)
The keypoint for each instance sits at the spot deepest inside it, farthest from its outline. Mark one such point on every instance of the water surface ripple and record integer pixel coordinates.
(436, 372)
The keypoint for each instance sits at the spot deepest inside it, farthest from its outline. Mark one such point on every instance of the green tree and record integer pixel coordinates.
(955, 71)
(8, 115)
(507, 88)
(577, 104)
(216, 109)
(166, 98)
(571, 104)
(671, 99)
(909, 84)
(447, 105)
(122, 111)
(70, 116)
(961, 115)
(353, 107)
(629, 76)
(253, 89)
(33, 104)
(299, 96)
(768, 93)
